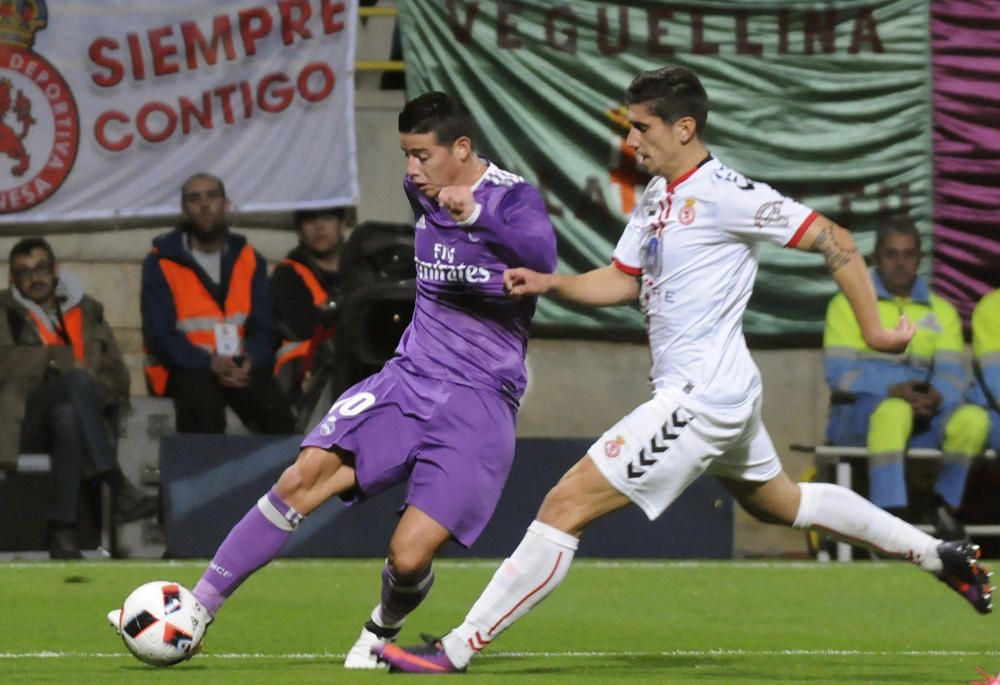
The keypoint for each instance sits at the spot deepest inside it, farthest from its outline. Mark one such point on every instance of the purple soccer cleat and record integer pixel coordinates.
(429, 658)
(962, 572)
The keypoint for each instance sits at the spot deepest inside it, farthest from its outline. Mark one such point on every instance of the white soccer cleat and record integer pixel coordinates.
(114, 618)
(360, 656)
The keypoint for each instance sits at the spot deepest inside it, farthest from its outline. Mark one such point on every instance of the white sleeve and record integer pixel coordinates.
(628, 250)
(756, 211)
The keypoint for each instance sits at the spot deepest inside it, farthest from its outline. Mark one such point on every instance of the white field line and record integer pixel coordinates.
(307, 656)
(455, 563)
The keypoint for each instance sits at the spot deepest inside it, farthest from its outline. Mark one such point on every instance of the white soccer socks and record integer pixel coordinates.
(850, 517)
(528, 576)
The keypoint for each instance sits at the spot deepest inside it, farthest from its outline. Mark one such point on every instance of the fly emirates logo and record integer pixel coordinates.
(444, 270)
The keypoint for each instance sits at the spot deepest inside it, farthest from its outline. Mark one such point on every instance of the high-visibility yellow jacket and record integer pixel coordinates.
(986, 347)
(935, 354)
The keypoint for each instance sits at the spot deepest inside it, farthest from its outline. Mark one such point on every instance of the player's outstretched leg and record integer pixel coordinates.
(529, 575)
(252, 543)
(848, 516)
(400, 596)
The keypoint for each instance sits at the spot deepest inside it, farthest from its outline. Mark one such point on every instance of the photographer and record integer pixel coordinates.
(914, 399)
(305, 290)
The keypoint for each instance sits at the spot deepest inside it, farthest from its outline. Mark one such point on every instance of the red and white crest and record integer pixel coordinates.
(39, 122)
(686, 215)
(612, 448)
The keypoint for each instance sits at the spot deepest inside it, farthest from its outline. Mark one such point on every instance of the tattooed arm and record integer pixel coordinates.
(851, 274)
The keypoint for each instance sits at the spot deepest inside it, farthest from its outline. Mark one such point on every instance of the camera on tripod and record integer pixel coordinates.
(379, 287)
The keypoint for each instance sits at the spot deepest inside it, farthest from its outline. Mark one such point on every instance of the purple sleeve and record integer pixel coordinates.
(519, 230)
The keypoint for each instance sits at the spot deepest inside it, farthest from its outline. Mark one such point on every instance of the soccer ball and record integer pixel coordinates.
(162, 623)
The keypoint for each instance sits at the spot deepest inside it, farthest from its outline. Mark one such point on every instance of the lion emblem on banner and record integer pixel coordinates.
(10, 140)
(39, 122)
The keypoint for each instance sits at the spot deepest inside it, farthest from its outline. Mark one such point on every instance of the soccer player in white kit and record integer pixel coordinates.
(690, 254)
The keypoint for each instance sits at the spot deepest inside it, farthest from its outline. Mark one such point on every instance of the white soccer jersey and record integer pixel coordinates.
(695, 244)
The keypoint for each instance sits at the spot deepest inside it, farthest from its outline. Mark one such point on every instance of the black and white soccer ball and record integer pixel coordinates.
(162, 623)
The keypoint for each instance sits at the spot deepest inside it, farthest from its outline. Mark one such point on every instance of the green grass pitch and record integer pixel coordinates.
(611, 622)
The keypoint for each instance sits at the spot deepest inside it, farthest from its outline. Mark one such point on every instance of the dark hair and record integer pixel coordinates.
(200, 175)
(25, 247)
(302, 215)
(902, 224)
(440, 114)
(671, 93)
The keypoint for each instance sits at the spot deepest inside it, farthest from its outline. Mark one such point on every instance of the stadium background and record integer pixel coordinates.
(859, 108)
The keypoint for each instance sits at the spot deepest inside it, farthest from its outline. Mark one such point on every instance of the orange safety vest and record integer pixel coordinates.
(198, 312)
(295, 349)
(73, 321)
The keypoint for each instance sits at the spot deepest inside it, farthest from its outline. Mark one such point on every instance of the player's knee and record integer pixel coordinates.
(967, 430)
(408, 561)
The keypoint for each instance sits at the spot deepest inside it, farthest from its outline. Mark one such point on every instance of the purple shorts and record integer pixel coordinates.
(453, 442)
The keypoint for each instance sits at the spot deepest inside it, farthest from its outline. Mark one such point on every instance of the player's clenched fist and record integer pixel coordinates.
(458, 200)
(521, 281)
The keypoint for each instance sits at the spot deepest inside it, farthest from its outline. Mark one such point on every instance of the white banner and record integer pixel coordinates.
(106, 106)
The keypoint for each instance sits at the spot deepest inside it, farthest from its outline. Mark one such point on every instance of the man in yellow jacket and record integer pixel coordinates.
(985, 390)
(913, 399)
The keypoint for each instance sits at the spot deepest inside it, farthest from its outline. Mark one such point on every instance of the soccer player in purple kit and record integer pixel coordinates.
(441, 413)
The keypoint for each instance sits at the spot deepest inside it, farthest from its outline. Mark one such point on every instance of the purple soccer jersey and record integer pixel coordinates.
(442, 411)
(465, 329)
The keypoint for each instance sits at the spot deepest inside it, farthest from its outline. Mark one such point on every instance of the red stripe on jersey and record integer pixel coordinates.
(680, 179)
(802, 230)
(528, 596)
(665, 211)
(687, 174)
(625, 268)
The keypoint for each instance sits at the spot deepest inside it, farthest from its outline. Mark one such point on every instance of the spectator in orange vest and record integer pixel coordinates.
(61, 379)
(206, 320)
(305, 291)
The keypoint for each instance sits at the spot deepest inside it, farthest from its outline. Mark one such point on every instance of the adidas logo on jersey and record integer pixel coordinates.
(421, 222)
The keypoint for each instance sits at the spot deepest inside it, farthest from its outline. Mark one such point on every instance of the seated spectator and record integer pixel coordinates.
(985, 390)
(891, 402)
(62, 379)
(305, 292)
(206, 320)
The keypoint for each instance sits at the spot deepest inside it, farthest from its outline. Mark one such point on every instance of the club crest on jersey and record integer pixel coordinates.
(612, 448)
(686, 215)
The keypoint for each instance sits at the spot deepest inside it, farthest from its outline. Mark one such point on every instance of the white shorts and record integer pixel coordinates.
(652, 455)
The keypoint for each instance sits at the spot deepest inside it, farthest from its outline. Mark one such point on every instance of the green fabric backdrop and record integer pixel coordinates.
(830, 106)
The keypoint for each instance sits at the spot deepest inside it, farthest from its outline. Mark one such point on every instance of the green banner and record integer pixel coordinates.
(828, 102)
